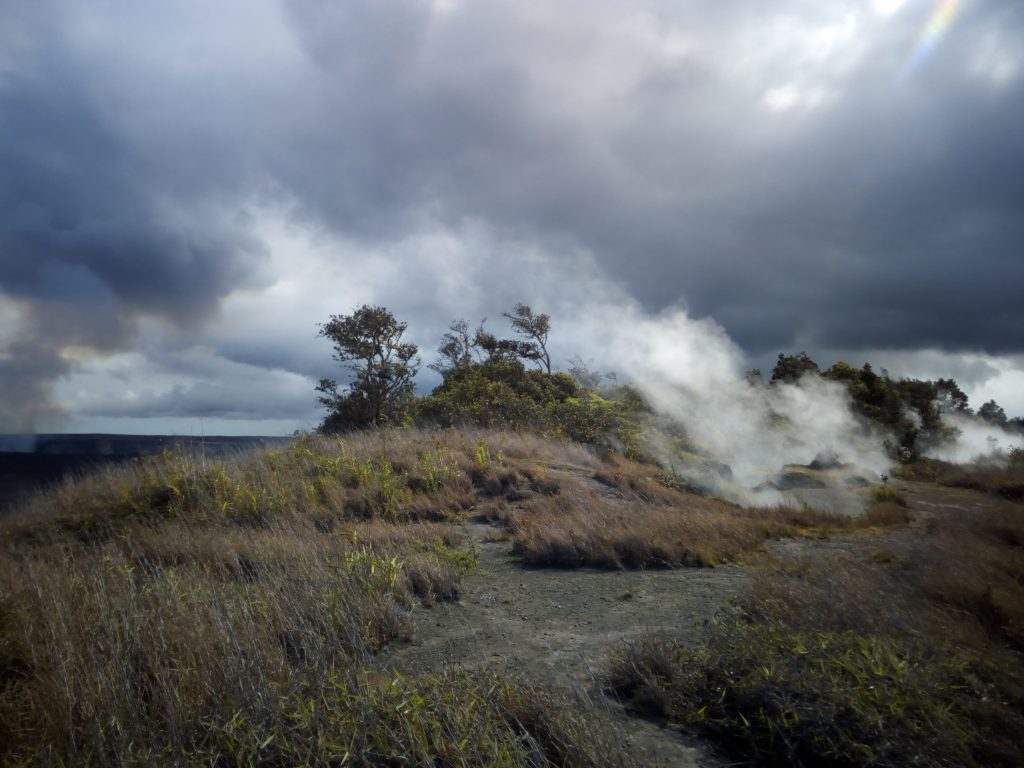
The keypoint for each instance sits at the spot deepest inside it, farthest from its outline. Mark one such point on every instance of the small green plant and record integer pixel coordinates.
(237, 500)
(481, 454)
(390, 490)
(436, 469)
(464, 560)
(358, 471)
(377, 574)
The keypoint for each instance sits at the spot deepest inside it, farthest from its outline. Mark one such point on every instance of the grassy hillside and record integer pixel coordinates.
(233, 611)
(228, 613)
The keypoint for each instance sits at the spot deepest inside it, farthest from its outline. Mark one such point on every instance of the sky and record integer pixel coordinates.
(188, 188)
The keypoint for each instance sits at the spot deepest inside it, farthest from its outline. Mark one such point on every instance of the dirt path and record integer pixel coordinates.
(555, 626)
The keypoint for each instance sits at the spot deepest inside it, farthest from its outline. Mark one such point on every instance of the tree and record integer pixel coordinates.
(456, 349)
(950, 398)
(492, 349)
(585, 375)
(993, 413)
(369, 343)
(535, 328)
(790, 368)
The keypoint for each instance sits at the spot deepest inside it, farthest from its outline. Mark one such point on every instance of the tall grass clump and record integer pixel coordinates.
(116, 648)
(582, 528)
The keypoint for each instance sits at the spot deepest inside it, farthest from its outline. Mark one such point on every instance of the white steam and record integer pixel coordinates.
(976, 440)
(692, 372)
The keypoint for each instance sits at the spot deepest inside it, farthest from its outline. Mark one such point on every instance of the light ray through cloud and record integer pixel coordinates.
(939, 22)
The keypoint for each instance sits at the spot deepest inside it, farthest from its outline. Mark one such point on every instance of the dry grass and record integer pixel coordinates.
(960, 578)
(119, 644)
(642, 481)
(387, 475)
(583, 528)
(178, 611)
(911, 658)
(228, 613)
(779, 698)
(1002, 478)
(645, 523)
(886, 513)
(885, 495)
(975, 568)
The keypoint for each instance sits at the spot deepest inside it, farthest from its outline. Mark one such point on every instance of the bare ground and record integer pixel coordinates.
(556, 625)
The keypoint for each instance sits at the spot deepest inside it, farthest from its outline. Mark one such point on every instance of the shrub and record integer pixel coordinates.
(886, 495)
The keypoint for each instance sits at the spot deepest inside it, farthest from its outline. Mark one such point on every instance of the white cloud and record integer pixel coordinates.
(787, 97)
(997, 58)
(887, 7)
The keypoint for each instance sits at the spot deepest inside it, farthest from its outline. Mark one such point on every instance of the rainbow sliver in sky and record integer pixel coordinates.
(934, 29)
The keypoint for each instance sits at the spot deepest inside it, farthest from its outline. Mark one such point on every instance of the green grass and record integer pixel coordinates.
(856, 659)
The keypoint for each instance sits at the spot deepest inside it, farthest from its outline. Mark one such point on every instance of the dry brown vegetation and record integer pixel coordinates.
(1002, 478)
(228, 613)
(637, 516)
(585, 528)
(911, 657)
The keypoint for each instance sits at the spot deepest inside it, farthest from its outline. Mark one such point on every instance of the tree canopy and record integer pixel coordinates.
(369, 343)
(993, 413)
(535, 329)
(790, 368)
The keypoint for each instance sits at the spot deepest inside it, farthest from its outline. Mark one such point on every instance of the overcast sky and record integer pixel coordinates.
(188, 188)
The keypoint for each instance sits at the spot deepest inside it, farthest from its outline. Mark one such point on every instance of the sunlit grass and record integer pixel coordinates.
(178, 611)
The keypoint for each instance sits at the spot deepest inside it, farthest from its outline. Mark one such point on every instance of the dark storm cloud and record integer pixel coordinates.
(81, 211)
(889, 216)
(87, 244)
(775, 166)
(903, 212)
